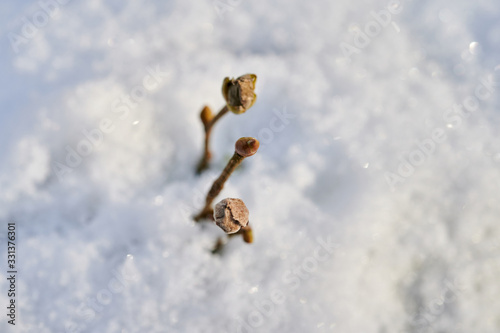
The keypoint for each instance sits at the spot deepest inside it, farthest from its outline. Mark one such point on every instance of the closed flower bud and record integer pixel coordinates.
(247, 234)
(239, 93)
(246, 146)
(206, 115)
(231, 215)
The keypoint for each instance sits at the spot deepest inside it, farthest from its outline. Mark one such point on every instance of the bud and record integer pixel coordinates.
(206, 115)
(247, 234)
(239, 93)
(246, 146)
(230, 215)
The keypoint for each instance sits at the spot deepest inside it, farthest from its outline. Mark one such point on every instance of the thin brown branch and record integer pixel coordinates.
(217, 186)
(208, 123)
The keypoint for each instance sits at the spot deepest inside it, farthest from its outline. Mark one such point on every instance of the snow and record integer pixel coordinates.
(373, 197)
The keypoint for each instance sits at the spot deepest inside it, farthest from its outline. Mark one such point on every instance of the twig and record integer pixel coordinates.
(244, 147)
(208, 123)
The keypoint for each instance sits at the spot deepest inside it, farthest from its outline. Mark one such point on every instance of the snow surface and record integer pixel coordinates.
(344, 242)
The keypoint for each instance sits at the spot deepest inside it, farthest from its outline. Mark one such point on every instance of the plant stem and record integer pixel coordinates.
(217, 186)
(207, 155)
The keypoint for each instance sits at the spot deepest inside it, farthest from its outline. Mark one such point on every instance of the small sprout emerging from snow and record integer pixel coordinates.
(231, 215)
(239, 93)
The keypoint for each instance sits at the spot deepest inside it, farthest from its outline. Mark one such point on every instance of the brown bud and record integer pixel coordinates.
(239, 93)
(206, 115)
(247, 234)
(246, 146)
(230, 215)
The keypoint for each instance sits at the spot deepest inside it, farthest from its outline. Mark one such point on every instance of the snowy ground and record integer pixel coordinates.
(374, 197)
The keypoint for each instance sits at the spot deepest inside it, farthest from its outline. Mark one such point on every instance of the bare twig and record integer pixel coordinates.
(244, 147)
